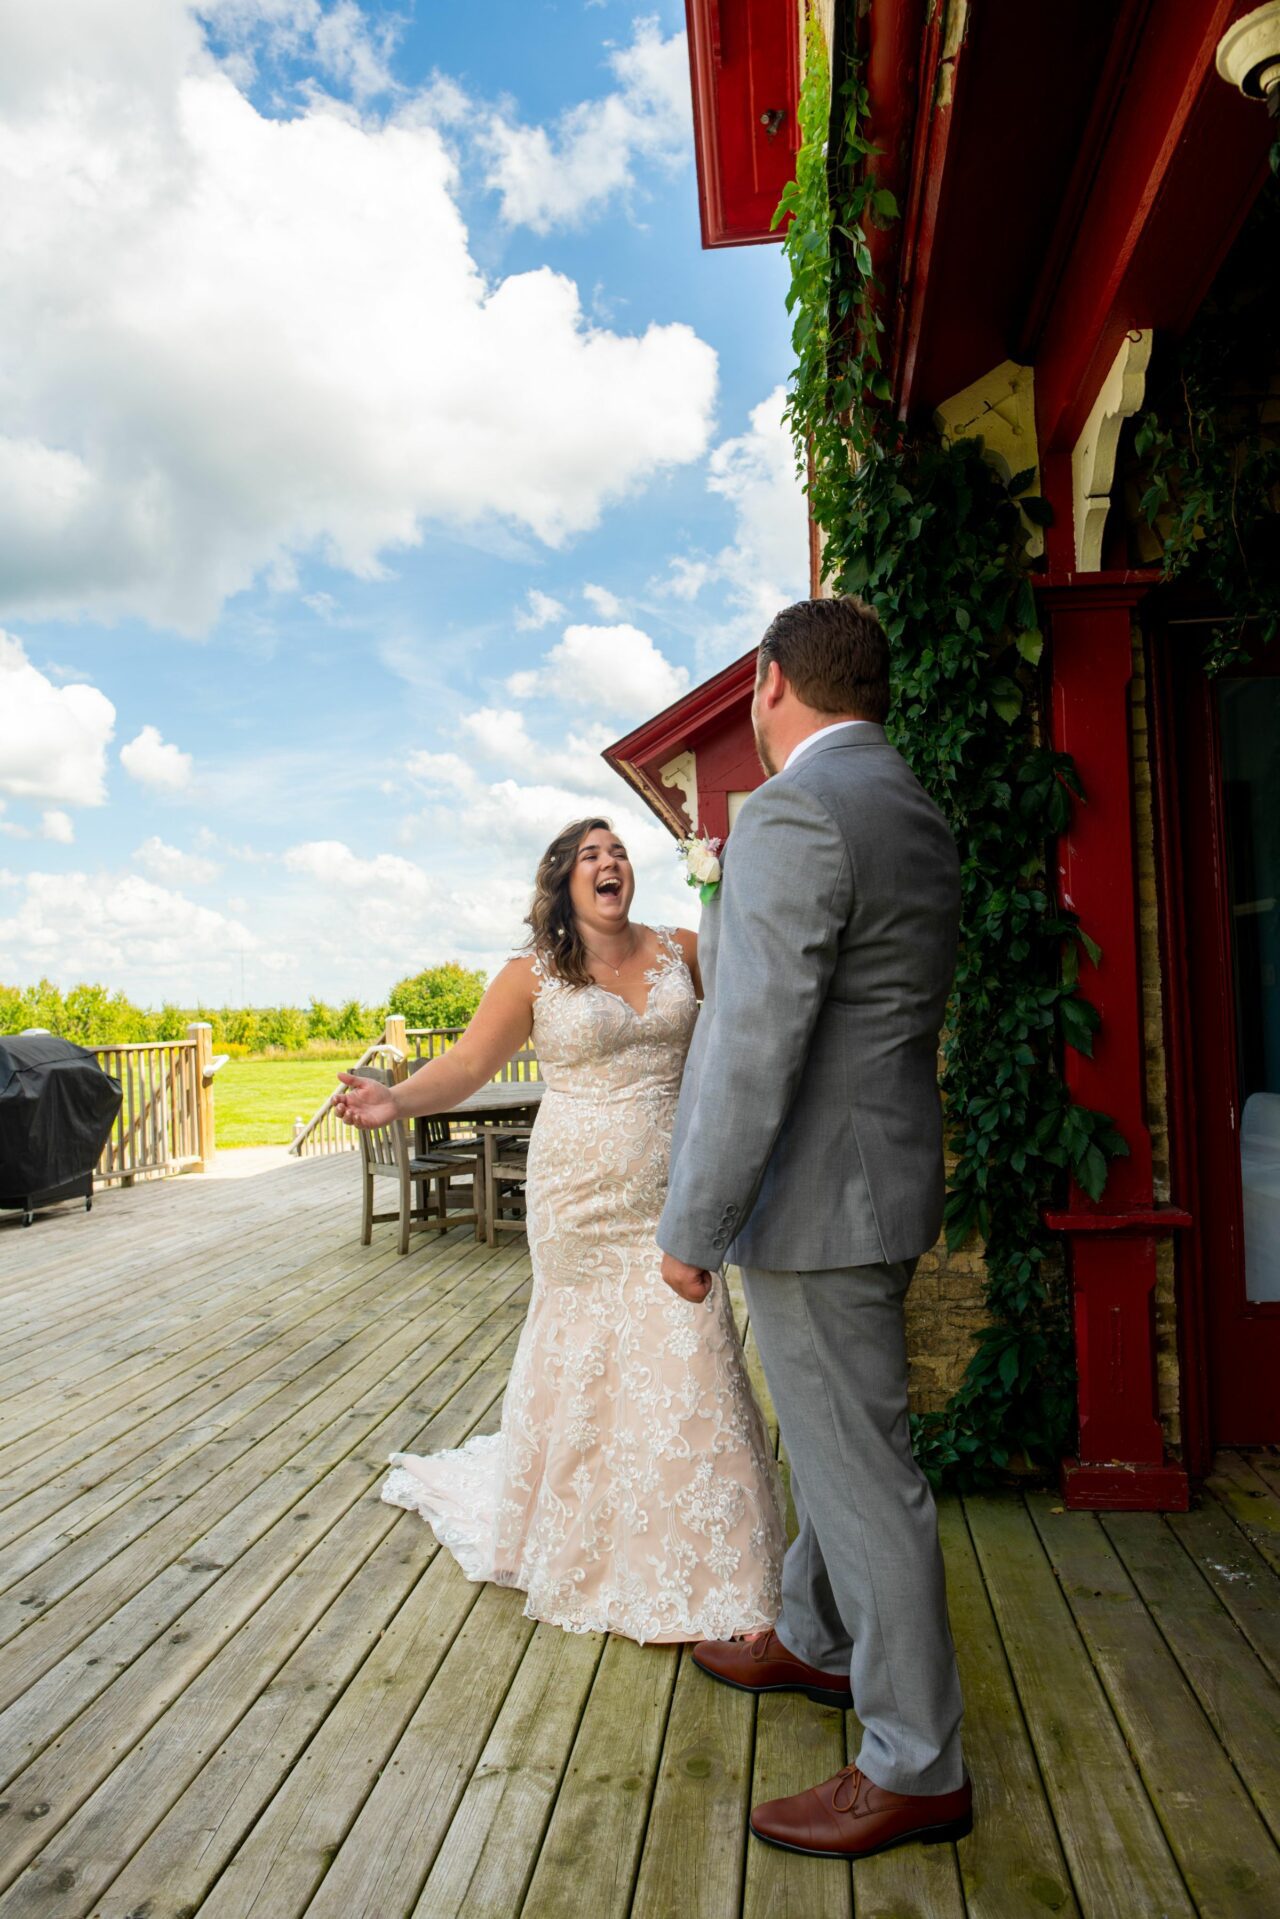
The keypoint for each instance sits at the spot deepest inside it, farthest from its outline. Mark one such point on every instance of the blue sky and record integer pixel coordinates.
(376, 442)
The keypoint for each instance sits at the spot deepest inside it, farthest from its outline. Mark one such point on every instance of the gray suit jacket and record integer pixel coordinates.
(809, 1133)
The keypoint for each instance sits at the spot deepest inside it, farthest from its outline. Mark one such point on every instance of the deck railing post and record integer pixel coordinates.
(201, 1033)
(394, 1034)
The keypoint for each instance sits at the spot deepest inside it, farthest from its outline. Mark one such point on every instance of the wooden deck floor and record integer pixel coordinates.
(233, 1683)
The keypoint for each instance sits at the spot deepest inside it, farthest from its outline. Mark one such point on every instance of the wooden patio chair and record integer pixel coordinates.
(461, 1148)
(385, 1154)
(506, 1168)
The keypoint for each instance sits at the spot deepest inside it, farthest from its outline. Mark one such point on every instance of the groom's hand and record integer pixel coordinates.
(691, 1282)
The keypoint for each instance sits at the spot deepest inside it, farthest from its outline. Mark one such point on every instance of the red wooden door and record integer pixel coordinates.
(1227, 776)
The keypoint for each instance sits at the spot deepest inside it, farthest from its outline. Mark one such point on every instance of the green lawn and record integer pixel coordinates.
(257, 1100)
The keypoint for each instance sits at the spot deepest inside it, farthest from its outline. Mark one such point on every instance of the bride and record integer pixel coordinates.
(630, 1488)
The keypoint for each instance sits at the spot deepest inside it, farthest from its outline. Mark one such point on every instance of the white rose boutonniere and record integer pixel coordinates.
(702, 865)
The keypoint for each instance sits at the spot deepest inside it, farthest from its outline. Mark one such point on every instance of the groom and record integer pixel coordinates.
(808, 1150)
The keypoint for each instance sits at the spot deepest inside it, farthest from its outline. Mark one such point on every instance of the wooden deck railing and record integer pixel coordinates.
(325, 1133)
(165, 1124)
(428, 1042)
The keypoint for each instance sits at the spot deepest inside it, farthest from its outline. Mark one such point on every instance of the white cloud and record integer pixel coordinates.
(606, 604)
(440, 769)
(502, 737)
(538, 610)
(558, 177)
(766, 564)
(616, 669)
(688, 577)
(248, 338)
(53, 741)
(340, 42)
(109, 926)
(154, 762)
(344, 873)
(171, 864)
(57, 826)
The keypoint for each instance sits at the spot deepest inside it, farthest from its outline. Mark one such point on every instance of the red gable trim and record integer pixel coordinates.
(744, 62)
(682, 728)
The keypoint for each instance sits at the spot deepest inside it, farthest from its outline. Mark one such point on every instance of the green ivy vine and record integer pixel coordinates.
(933, 537)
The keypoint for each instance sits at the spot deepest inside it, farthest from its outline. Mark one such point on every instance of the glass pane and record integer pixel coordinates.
(1250, 717)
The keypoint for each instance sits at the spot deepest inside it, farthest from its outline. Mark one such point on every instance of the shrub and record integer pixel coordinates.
(445, 995)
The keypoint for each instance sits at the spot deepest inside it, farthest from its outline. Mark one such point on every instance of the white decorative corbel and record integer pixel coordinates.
(1001, 408)
(1093, 463)
(682, 772)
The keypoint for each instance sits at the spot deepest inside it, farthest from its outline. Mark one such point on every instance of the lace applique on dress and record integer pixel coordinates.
(630, 1488)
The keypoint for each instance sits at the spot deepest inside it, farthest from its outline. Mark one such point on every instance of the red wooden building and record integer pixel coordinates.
(1072, 176)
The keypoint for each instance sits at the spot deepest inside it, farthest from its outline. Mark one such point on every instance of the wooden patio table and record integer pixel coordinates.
(514, 1100)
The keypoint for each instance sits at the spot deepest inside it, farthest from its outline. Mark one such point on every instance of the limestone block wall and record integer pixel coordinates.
(944, 1312)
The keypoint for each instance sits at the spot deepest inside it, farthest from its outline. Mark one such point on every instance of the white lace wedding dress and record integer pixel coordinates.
(630, 1488)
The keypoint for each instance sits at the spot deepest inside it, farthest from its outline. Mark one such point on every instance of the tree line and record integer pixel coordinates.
(94, 1015)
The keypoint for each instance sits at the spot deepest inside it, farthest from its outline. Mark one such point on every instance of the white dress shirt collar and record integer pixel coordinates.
(823, 732)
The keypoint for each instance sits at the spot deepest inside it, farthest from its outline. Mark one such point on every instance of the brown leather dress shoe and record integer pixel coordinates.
(850, 1817)
(764, 1665)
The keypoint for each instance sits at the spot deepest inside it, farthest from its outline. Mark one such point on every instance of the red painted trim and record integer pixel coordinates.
(1092, 667)
(1243, 1336)
(1138, 1219)
(927, 174)
(742, 170)
(891, 33)
(1090, 312)
(1107, 103)
(1112, 1261)
(680, 727)
(701, 24)
(1121, 586)
(815, 540)
(669, 730)
(1119, 1488)
(1184, 1168)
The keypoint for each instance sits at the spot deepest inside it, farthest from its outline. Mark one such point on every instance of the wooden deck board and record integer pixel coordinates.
(1224, 1852)
(606, 1788)
(1237, 1573)
(1117, 1854)
(1012, 1861)
(235, 1684)
(1235, 1691)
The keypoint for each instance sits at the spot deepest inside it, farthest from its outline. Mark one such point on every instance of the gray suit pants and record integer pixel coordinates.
(863, 1585)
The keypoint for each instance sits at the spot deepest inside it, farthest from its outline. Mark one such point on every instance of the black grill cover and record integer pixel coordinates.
(57, 1107)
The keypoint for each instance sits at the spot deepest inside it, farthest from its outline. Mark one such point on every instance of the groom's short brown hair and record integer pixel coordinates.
(834, 655)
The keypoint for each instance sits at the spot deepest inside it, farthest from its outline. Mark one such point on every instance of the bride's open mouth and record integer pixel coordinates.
(609, 889)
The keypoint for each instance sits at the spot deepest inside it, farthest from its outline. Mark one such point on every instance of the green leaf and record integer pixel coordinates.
(884, 203)
(1080, 1022)
(1031, 645)
(1037, 510)
(1092, 1172)
(1006, 697)
(1021, 481)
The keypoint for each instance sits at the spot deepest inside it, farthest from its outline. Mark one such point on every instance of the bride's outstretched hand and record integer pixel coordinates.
(363, 1102)
(691, 1282)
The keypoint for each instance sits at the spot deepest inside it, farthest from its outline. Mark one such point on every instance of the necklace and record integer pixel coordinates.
(615, 970)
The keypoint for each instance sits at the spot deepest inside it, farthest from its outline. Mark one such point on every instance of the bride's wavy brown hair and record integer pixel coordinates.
(553, 929)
